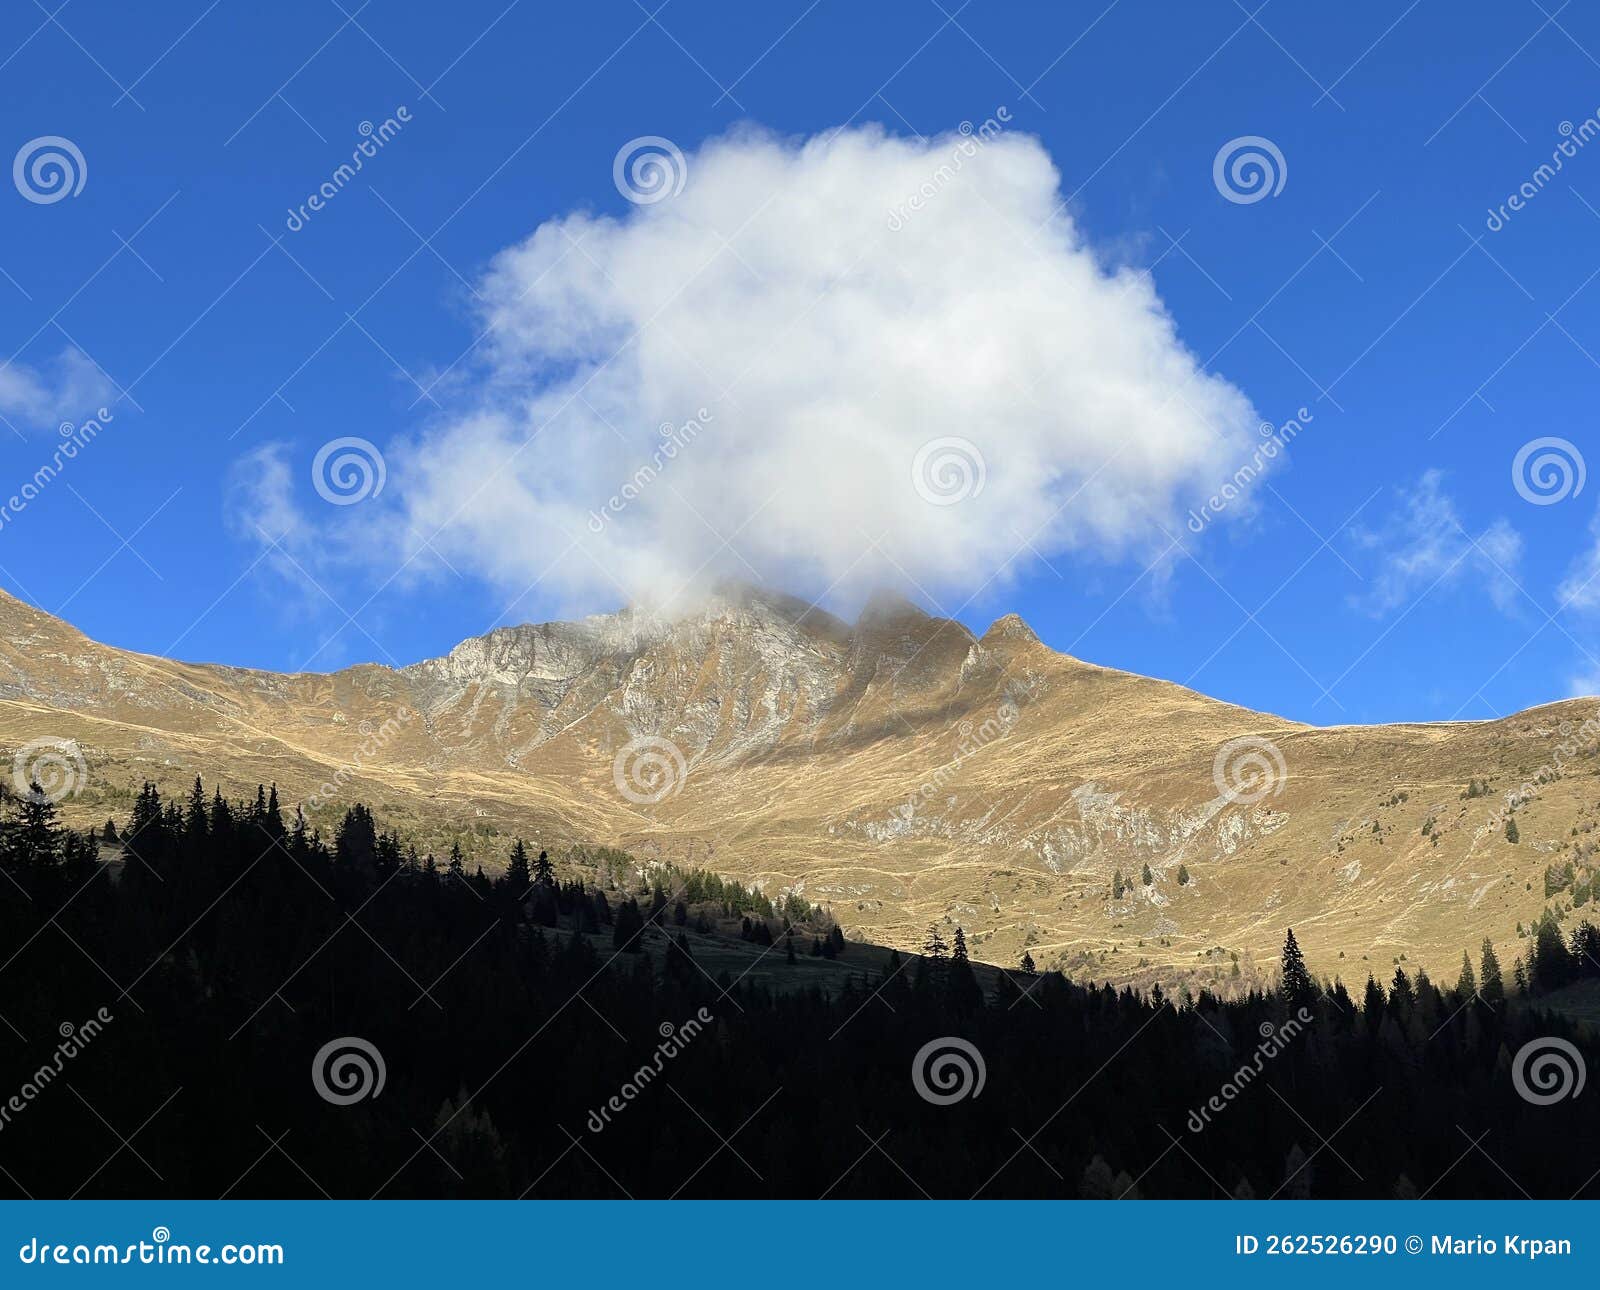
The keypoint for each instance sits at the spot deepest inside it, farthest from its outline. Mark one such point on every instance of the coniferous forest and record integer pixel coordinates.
(208, 999)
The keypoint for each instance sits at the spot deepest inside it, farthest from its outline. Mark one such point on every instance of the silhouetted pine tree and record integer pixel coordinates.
(1297, 988)
(519, 877)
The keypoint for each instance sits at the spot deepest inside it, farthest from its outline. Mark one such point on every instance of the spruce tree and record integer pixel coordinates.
(1298, 989)
(1492, 990)
(1401, 995)
(519, 876)
(962, 985)
(33, 841)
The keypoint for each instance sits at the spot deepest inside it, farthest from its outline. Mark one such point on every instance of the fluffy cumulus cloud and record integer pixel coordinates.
(1425, 545)
(68, 389)
(826, 363)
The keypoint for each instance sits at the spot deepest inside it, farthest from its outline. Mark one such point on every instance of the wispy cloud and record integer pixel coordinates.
(68, 389)
(1424, 544)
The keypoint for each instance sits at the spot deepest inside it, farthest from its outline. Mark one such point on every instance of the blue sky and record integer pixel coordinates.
(1387, 569)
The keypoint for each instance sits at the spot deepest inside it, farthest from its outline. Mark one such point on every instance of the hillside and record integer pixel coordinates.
(899, 769)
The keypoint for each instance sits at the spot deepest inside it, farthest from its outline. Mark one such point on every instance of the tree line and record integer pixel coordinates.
(230, 944)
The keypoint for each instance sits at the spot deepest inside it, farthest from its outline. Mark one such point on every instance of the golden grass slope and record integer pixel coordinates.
(898, 768)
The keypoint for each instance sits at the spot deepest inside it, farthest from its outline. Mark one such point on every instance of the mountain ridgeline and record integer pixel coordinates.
(899, 770)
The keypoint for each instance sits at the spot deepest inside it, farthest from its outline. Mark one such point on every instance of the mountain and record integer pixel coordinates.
(899, 768)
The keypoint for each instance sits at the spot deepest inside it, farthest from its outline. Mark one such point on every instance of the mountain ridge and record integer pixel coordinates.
(901, 768)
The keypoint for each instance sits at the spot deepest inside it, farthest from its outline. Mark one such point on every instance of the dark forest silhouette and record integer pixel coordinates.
(206, 968)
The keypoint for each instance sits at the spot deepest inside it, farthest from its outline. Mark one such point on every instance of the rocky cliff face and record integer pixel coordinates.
(898, 767)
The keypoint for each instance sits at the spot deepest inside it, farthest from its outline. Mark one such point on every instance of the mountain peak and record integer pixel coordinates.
(1010, 629)
(885, 606)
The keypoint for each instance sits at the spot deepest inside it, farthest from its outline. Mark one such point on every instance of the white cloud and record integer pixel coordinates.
(1425, 544)
(1580, 589)
(72, 389)
(826, 348)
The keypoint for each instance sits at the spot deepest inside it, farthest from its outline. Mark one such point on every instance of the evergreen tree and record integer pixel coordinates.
(195, 817)
(1297, 988)
(544, 872)
(1401, 995)
(1183, 876)
(961, 983)
(33, 840)
(519, 877)
(1466, 983)
(1026, 963)
(1549, 961)
(1146, 877)
(1493, 989)
(1373, 1004)
(355, 842)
